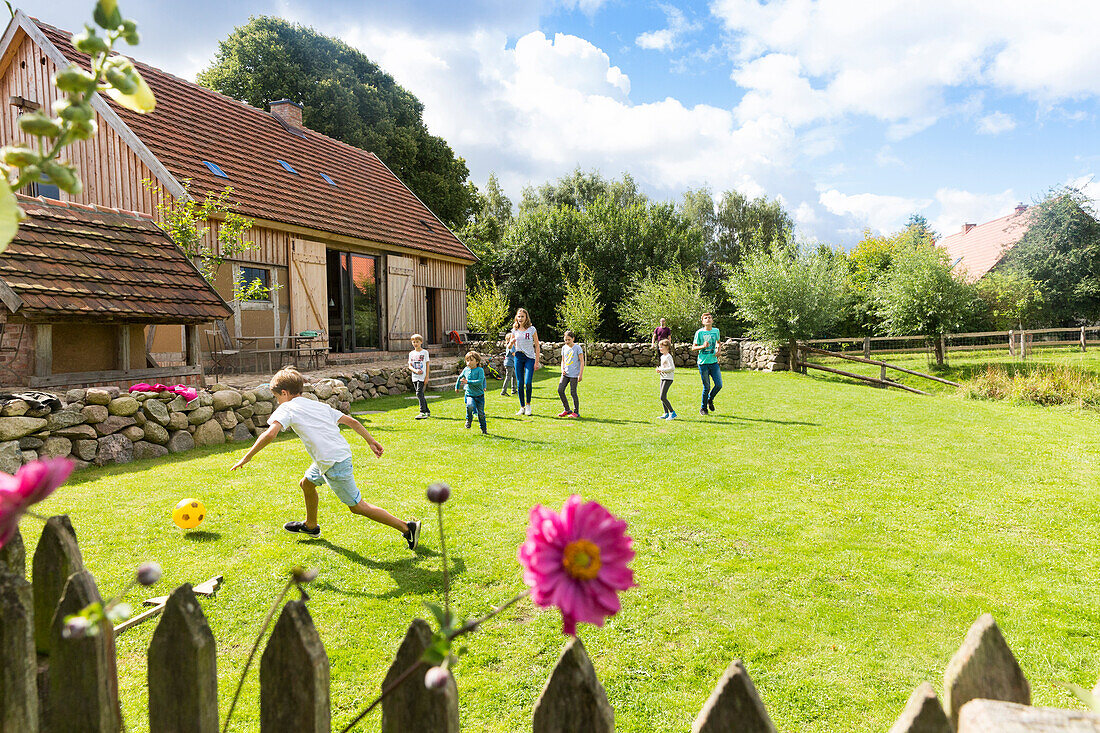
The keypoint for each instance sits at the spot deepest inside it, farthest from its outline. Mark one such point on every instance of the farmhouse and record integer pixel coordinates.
(978, 248)
(347, 249)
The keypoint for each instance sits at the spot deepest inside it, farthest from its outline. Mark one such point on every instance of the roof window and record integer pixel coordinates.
(427, 225)
(215, 169)
(328, 180)
(287, 167)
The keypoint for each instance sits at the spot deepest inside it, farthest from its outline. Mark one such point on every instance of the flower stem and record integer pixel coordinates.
(252, 654)
(389, 688)
(474, 623)
(446, 573)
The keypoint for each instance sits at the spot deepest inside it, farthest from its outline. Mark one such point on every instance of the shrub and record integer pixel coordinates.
(674, 294)
(1043, 384)
(581, 310)
(486, 307)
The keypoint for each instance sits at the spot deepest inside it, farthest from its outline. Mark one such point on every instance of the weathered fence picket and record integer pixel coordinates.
(294, 684)
(983, 667)
(183, 674)
(573, 699)
(412, 706)
(923, 713)
(56, 557)
(18, 683)
(734, 705)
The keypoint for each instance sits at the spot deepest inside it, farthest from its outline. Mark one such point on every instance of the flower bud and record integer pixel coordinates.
(82, 130)
(149, 573)
(302, 574)
(119, 612)
(74, 80)
(63, 176)
(436, 678)
(19, 156)
(439, 492)
(121, 80)
(73, 112)
(39, 124)
(107, 15)
(88, 42)
(76, 627)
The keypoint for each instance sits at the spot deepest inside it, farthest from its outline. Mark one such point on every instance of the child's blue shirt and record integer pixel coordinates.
(510, 356)
(475, 381)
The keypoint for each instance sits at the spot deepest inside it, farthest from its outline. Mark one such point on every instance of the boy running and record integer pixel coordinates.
(318, 425)
(419, 366)
(572, 371)
(706, 345)
(473, 376)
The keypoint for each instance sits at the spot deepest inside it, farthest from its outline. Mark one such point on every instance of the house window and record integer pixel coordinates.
(328, 179)
(46, 190)
(252, 274)
(213, 168)
(287, 167)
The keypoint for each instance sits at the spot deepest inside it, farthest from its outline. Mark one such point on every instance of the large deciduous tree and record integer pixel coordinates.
(345, 96)
(675, 294)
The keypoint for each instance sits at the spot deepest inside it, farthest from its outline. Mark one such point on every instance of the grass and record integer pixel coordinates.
(839, 539)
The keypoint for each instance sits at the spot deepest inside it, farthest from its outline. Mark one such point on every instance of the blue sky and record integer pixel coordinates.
(855, 112)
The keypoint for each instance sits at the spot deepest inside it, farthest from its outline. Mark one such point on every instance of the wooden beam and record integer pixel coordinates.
(880, 363)
(122, 353)
(115, 375)
(194, 346)
(9, 297)
(43, 350)
(872, 380)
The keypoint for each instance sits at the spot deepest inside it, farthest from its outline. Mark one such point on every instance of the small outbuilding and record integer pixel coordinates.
(80, 284)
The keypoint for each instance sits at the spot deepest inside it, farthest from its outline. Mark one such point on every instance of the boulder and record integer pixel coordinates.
(55, 446)
(11, 458)
(31, 442)
(323, 390)
(75, 395)
(205, 400)
(113, 424)
(177, 404)
(85, 450)
(218, 387)
(209, 433)
(249, 396)
(263, 408)
(344, 407)
(240, 433)
(77, 431)
(14, 428)
(155, 433)
(114, 449)
(263, 392)
(226, 419)
(156, 411)
(139, 418)
(124, 406)
(200, 415)
(134, 433)
(94, 414)
(180, 441)
(177, 421)
(28, 456)
(65, 418)
(144, 449)
(243, 413)
(226, 399)
(15, 408)
(97, 396)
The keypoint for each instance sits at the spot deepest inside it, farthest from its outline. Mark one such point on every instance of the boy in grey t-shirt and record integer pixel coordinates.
(572, 371)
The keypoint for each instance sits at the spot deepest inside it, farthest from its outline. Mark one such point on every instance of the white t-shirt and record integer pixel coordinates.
(571, 360)
(315, 423)
(525, 340)
(668, 367)
(418, 360)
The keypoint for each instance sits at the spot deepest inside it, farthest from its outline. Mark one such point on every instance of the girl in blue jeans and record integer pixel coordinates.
(528, 357)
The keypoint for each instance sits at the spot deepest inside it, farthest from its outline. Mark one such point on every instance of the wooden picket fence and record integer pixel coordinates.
(48, 683)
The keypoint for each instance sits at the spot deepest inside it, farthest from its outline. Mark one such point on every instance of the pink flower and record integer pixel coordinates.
(31, 484)
(577, 561)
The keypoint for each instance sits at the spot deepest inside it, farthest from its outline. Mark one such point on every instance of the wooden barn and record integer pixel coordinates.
(348, 250)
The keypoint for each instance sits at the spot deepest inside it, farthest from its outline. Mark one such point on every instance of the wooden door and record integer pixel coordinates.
(308, 287)
(400, 272)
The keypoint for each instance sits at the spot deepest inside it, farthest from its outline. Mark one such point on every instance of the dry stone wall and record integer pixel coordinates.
(732, 354)
(105, 425)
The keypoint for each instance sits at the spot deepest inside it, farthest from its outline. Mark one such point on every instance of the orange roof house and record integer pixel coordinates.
(348, 248)
(978, 248)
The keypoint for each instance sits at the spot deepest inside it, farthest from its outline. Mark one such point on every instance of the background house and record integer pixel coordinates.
(348, 249)
(978, 248)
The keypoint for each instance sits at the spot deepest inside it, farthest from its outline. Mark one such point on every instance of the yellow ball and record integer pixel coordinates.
(189, 513)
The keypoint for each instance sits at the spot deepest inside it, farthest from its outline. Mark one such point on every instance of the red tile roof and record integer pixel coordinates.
(74, 262)
(978, 249)
(192, 124)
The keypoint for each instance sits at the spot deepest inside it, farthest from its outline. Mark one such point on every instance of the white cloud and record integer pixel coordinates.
(881, 213)
(996, 123)
(667, 38)
(964, 207)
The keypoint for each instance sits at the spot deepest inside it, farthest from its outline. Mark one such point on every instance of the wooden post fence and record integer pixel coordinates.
(984, 688)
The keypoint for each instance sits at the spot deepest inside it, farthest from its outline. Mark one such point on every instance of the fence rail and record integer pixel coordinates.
(51, 683)
(1084, 336)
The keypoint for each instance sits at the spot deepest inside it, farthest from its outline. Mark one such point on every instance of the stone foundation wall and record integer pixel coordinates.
(732, 354)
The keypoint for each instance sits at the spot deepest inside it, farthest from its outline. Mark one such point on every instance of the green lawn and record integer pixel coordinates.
(839, 539)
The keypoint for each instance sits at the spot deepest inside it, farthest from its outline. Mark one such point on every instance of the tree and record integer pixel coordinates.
(581, 310)
(580, 190)
(787, 294)
(921, 294)
(484, 233)
(1061, 252)
(1010, 298)
(675, 294)
(346, 96)
(486, 308)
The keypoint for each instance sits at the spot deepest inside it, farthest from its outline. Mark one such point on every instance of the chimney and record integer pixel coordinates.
(287, 112)
(1021, 208)
(968, 227)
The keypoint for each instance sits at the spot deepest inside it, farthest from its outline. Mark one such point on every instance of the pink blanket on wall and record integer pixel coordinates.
(187, 393)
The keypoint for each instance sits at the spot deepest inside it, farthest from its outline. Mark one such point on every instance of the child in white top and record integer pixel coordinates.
(317, 425)
(572, 372)
(419, 365)
(666, 371)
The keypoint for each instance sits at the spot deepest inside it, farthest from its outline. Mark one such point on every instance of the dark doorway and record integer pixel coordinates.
(431, 297)
(354, 308)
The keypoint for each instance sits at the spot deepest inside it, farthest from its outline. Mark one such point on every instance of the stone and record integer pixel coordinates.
(250, 424)
(140, 418)
(31, 443)
(310, 396)
(14, 428)
(94, 414)
(323, 390)
(243, 413)
(225, 400)
(75, 395)
(85, 450)
(983, 667)
(133, 432)
(205, 399)
(263, 408)
(218, 387)
(209, 433)
(177, 404)
(240, 433)
(249, 396)
(28, 456)
(64, 418)
(15, 408)
(155, 433)
(227, 420)
(156, 411)
(263, 392)
(124, 406)
(180, 441)
(177, 421)
(77, 431)
(922, 714)
(991, 716)
(344, 407)
(97, 396)
(145, 449)
(113, 424)
(114, 449)
(200, 415)
(78, 464)
(56, 447)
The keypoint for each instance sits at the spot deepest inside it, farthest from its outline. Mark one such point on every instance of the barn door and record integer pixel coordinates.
(308, 287)
(400, 272)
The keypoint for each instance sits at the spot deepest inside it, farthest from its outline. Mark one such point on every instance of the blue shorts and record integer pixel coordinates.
(340, 477)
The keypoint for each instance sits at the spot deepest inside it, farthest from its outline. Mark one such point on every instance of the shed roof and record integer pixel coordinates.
(192, 124)
(74, 262)
(978, 248)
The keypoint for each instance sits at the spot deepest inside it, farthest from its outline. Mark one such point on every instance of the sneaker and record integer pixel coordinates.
(469, 422)
(574, 414)
(503, 393)
(412, 535)
(703, 411)
(663, 417)
(301, 528)
(527, 410)
(565, 413)
(670, 416)
(421, 416)
(710, 405)
(484, 431)
(522, 411)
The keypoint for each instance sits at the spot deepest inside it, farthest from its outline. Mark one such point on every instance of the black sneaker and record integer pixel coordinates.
(703, 411)
(301, 528)
(412, 536)
(469, 422)
(484, 431)
(710, 405)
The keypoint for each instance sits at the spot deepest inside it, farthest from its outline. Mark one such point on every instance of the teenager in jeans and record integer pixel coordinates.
(705, 344)
(528, 357)
(572, 371)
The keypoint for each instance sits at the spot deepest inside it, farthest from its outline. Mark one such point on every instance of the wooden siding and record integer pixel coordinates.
(271, 245)
(111, 172)
(449, 279)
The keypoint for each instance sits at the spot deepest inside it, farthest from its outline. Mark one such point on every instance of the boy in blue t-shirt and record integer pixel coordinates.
(705, 344)
(473, 376)
(509, 365)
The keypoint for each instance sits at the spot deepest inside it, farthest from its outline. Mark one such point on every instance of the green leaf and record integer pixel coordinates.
(438, 649)
(141, 100)
(10, 215)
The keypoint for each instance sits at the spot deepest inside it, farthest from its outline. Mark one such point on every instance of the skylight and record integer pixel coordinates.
(215, 169)
(328, 180)
(286, 165)
(427, 225)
